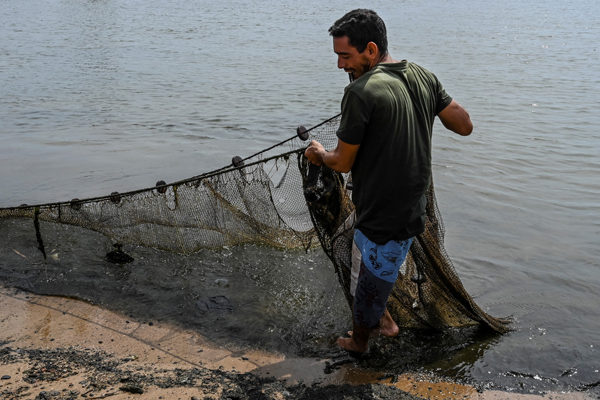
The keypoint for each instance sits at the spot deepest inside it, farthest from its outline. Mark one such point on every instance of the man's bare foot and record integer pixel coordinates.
(374, 333)
(349, 344)
(387, 325)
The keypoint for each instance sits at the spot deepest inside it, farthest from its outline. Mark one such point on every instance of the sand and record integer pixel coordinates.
(61, 348)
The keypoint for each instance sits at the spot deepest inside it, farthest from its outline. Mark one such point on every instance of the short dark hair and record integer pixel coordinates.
(361, 26)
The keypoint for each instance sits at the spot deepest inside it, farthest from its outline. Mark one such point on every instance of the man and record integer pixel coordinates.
(384, 138)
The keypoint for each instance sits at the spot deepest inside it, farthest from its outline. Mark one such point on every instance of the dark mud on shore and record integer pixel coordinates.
(104, 376)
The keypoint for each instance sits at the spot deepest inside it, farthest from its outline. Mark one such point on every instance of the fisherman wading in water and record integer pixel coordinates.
(384, 138)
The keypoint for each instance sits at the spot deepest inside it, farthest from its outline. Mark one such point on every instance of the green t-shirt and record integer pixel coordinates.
(393, 126)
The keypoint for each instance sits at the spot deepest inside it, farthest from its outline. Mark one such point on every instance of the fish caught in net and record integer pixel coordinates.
(274, 197)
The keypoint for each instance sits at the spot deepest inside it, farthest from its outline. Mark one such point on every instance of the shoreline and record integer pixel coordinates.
(61, 348)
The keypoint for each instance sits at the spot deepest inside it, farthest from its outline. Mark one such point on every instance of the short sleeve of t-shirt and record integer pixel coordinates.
(443, 98)
(355, 117)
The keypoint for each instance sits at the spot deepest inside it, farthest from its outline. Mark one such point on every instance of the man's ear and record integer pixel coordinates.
(372, 50)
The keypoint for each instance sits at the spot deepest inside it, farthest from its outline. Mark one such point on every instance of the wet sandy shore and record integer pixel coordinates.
(62, 348)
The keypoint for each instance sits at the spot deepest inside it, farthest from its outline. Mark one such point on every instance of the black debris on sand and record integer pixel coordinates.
(104, 375)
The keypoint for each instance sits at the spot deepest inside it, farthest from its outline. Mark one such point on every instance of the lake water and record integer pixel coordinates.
(101, 96)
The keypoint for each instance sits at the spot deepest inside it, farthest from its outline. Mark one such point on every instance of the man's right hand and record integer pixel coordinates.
(314, 152)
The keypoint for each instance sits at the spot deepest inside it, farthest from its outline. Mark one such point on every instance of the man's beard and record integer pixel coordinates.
(358, 73)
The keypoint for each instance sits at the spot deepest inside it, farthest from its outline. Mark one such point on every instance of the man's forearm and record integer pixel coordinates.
(340, 159)
(335, 161)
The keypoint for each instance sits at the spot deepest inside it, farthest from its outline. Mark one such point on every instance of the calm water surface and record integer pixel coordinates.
(99, 96)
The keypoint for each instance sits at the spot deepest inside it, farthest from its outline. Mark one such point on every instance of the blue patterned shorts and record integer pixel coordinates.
(379, 270)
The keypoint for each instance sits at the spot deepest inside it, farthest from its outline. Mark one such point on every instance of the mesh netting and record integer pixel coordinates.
(259, 199)
(428, 292)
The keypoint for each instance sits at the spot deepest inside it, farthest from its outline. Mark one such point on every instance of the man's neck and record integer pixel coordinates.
(387, 59)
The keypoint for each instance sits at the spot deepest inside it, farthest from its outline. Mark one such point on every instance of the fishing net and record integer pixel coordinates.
(272, 198)
(428, 292)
